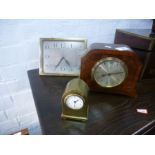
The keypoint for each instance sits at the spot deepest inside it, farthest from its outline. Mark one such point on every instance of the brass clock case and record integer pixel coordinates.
(75, 87)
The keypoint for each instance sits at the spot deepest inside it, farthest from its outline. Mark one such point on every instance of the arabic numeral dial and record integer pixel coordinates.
(74, 102)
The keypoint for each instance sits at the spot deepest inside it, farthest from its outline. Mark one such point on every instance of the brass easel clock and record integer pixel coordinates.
(61, 56)
(111, 68)
(74, 100)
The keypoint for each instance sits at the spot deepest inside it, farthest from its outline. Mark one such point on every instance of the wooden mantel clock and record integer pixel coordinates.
(111, 68)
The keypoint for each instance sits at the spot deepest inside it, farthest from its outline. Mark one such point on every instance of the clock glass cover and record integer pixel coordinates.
(74, 102)
(109, 72)
(61, 56)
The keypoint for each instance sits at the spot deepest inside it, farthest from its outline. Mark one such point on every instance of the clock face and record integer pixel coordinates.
(74, 102)
(109, 72)
(61, 56)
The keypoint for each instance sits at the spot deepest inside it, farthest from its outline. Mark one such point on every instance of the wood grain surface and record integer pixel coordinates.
(108, 114)
(135, 38)
(142, 41)
(130, 58)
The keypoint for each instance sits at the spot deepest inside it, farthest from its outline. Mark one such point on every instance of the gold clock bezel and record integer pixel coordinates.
(109, 59)
(41, 64)
(74, 94)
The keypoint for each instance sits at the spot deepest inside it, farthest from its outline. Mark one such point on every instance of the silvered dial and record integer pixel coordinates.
(109, 72)
(61, 56)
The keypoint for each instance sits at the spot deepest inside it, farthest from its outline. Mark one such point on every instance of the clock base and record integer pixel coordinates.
(74, 117)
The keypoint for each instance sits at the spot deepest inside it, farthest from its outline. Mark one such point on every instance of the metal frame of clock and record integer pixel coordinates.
(61, 56)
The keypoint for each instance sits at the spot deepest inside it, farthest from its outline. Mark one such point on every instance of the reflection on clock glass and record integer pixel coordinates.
(110, 72)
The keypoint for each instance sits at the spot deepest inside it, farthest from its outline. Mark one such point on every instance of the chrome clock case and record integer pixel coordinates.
(61, 56)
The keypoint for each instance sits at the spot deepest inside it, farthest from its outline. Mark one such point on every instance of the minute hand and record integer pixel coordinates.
(115, 73)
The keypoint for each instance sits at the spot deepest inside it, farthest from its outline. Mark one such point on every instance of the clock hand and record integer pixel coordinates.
(67, 62)
(74, 104)
(112, 73)
(116, 73)
(110, 76)
(61, 61)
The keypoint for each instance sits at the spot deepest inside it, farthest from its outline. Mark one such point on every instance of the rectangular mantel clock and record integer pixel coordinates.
(61, 56)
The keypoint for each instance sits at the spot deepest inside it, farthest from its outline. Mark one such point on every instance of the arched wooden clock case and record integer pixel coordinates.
(100, 51)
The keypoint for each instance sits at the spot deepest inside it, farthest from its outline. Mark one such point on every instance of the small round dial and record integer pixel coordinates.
(109, 72)
(74, 102)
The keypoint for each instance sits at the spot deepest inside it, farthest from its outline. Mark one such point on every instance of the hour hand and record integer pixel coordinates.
(75, 101)
(112, 73)
(61, 60)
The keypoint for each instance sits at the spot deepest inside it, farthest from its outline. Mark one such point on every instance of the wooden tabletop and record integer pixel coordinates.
(108, 114)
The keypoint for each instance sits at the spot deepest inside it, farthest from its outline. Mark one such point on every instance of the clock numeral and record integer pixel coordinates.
(47, 56)
(55, 45)
(63, 62)
(62, 68)
(47, 47)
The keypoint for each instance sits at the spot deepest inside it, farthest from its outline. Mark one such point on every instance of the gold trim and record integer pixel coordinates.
(41, 71)
(107, 59)
(74, 117)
